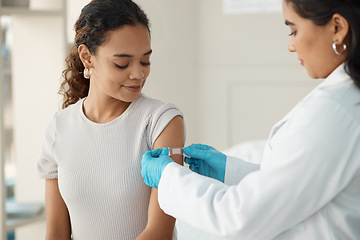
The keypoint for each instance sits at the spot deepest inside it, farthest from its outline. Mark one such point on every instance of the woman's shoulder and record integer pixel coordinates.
(146, 100)
(70, 110)
(154, 105)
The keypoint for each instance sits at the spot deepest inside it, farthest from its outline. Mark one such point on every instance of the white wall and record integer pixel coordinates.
(38, 59)
(247, 78)
(173, 77)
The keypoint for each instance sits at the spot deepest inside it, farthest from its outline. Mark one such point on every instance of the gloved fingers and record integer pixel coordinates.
(143, 170)
(191, 161)
(147, 155)
(165, 151)
(201, 146)
(197, 153)
(155, 153)
(166, 158)
(152, 165)
(194, 168)
(193, 153)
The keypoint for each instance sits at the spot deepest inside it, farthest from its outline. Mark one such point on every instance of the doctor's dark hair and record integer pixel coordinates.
(320, 13)
(96, 20)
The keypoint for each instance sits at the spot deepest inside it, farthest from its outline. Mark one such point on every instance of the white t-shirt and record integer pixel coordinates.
(98, 167)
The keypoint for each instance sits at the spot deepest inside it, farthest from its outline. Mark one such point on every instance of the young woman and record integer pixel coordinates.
(92, 148)
(307, 186)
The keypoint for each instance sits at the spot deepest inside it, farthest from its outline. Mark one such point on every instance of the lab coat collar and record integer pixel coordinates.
(338, 76)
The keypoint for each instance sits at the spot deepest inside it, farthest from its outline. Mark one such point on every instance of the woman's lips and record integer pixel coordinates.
(133, 88)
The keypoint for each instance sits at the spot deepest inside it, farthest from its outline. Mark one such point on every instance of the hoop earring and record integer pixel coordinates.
(87, 73)
(335, 48)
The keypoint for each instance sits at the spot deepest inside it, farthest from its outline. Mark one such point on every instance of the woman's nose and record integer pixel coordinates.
(136, 72)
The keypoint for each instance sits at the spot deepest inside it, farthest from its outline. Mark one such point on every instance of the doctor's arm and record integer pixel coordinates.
(303, 171)
(160, 226)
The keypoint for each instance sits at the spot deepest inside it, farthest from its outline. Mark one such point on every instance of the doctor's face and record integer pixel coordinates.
(312, 43)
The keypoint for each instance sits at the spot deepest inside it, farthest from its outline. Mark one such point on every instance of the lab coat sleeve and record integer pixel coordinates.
(237, 169)
(310, 162)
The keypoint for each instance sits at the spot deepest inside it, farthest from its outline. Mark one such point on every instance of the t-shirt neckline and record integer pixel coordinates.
(126, 112)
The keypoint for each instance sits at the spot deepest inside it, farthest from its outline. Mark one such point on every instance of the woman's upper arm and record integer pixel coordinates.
(158, 222)
(58, 226)
(172, 136)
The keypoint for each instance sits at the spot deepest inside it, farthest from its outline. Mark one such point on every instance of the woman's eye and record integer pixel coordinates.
(293, 33)
(145, 63)
(121, 67)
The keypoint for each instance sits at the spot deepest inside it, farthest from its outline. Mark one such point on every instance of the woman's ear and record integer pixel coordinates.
(341, 28)
(85, 56)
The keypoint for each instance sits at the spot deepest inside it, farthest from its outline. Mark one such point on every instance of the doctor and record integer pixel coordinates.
(308, 184)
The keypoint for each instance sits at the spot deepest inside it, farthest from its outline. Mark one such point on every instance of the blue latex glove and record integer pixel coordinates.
(152, 165)
(206, 160)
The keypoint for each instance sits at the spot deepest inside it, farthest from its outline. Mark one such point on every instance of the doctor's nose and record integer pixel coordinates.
(291, 46)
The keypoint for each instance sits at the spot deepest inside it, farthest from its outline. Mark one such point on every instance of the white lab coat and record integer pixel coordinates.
(308, 184)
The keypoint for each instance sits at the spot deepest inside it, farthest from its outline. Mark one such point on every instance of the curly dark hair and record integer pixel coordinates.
(95, 21)
(321, 11)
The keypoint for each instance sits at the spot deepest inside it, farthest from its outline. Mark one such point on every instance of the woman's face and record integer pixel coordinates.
(121, 65)
(312, 43)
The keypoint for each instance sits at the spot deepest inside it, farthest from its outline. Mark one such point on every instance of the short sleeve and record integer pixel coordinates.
(46, 164)
(160, 119)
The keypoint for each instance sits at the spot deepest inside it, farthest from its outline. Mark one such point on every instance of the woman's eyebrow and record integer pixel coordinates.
(288, 23)
(129, 56)
(123, 55)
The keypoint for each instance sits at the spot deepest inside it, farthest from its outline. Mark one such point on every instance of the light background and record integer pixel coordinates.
(230, 74)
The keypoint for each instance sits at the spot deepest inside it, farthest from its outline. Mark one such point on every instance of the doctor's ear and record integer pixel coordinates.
(340, 28)
(85, 56)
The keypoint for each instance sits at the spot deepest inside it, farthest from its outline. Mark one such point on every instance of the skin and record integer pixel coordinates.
(119, 69)
(58, 226)
(113, 87)
(160, 226)
(313, 43)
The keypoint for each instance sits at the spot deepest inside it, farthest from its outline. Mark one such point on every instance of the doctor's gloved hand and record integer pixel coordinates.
(152, 165)
(206, 160)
